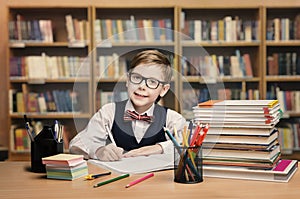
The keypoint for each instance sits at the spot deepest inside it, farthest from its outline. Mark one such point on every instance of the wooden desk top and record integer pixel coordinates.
(16, 181)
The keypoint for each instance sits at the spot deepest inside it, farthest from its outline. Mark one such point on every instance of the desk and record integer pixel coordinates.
(17, 182)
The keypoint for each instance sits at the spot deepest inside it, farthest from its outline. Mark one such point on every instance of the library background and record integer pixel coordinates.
(61, 60)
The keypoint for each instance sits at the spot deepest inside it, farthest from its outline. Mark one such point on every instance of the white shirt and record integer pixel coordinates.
(94, 135)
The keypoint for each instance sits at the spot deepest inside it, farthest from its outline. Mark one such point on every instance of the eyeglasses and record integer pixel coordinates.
(152, 83)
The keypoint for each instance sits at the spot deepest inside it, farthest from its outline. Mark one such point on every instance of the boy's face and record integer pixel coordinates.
(141, 95)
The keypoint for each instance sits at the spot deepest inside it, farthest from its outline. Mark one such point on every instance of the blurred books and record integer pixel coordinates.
(65, 166)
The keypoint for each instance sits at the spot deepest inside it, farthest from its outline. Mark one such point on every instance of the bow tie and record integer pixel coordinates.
(132, 115)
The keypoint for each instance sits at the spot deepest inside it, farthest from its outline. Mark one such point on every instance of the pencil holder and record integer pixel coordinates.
(188, 166)
(44, 145)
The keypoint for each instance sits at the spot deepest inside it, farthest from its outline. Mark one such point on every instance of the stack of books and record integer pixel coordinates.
(65, 166)
(242, 141)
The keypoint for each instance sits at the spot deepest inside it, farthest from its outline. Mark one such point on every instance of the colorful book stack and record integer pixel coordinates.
(242, 141)
(65, 166)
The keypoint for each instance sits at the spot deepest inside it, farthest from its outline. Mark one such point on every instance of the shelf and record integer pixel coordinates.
(108, 44)
(282, 78)
(43, 44)
(220, 44)
(52, 115)
(45, 81)
(199, 79)
(283, 43)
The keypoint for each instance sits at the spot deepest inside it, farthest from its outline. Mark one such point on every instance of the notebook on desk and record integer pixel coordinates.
(140, 164)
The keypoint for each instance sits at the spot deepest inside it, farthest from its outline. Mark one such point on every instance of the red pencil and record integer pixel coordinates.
(139, 180)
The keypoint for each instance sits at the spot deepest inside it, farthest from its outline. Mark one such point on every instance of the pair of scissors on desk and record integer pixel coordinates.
(94, 176)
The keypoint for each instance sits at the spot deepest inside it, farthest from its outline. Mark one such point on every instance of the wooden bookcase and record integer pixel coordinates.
(281, 80)
(119, 34)
(203, 42)
(33, 53)
(181, 47)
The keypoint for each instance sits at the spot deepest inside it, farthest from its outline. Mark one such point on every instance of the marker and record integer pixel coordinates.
(140, 180)
(94, 176)
(111, 180)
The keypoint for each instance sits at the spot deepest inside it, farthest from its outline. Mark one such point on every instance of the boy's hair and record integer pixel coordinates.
(149, 57)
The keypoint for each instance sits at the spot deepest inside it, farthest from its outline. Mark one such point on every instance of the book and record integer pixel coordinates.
(139, 164)
(242, 139)
(247, 153)
(282, 172)
(63, 159)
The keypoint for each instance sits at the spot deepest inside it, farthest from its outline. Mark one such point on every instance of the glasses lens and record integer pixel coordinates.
(152, 83)
(136, 78)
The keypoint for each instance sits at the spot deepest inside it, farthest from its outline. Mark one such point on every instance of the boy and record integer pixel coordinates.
(148, 80)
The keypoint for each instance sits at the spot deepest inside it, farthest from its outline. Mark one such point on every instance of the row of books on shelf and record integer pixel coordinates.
(78, 30)
(22, 30)
(105, 97)
(283, 29)
(242, 141)
(283, 64)
(49, 67)
(289, 137)
(120, 30)
(289, 100)
(218, 66)
(228, 29)
(20, 141)
(43, 102)
(111, 66)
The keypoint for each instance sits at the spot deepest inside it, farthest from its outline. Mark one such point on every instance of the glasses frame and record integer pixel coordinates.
(146, 79)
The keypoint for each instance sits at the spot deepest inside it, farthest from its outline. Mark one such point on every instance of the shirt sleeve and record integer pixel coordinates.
(95, 134)
(176, 120)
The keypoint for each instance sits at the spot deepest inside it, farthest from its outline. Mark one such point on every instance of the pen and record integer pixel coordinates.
(111, 180)
(110, 135)
(190, 164)
(56, 129)
(140, 180)
(94, 176)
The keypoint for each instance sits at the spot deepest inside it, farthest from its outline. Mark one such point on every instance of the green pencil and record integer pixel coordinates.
(111, 180)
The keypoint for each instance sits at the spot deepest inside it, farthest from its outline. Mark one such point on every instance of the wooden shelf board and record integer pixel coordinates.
(219, 44)
(53, 115)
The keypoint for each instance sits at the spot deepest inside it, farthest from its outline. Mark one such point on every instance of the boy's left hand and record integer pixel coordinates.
(146, 150)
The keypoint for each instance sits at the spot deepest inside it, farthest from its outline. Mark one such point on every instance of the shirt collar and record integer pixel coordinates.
(129, 106)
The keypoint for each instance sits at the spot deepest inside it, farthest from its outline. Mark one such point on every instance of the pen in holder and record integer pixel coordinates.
(44, 144)
(188, 166)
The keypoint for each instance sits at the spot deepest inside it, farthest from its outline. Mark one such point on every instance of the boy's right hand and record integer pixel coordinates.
(109, 152)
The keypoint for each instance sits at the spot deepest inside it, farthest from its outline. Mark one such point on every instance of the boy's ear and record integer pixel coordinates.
(164, 90)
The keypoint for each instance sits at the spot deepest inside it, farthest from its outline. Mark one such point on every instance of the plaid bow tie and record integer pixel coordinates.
(132, 115)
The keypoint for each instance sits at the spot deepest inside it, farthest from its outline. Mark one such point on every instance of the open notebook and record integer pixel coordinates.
(140, 164)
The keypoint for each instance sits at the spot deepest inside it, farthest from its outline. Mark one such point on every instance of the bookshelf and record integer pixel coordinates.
(213, 45)
(119, 34)
(183, 48)
(282, 70)
(49, 76)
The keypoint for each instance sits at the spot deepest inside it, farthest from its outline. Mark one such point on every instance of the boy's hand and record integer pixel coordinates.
(146, 150)
(109, 152)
